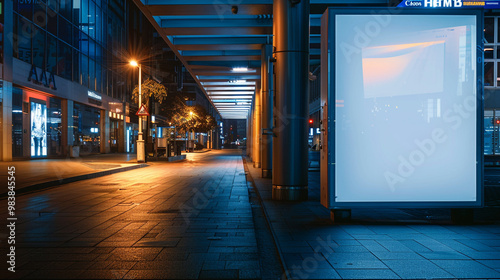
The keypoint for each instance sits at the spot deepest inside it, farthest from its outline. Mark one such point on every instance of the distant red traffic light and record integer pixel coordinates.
(497, 121)
(311, 121)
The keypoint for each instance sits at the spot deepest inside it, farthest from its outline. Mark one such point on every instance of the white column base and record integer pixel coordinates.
(141, 155)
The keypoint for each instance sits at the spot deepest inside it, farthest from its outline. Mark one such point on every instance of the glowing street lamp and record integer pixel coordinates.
(141, 155)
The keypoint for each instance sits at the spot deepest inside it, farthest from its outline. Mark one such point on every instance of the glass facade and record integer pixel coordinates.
(114, 134)
(17, 122)
(491, 52)
(78, 40)
(54, 127)
(86, 128)
(1, 30)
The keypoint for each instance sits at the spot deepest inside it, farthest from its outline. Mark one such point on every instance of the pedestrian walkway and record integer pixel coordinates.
(185, 220)
(54, 171)
(380, 243)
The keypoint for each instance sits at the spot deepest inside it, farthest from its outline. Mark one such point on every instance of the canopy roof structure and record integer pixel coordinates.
(220, 42)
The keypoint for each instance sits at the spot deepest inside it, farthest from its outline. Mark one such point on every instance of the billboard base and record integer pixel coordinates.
(340, 215)
(462, 216)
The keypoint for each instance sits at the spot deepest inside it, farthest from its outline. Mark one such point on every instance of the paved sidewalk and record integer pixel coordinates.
(54, 171)
(42, 173)
(183, 220)
(380, 243)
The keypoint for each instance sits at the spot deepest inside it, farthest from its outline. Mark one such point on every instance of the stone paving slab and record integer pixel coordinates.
(184, 220)
(380, 243)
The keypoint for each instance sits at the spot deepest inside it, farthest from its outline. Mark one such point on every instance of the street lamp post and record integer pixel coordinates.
(141, 155)
(191, 117)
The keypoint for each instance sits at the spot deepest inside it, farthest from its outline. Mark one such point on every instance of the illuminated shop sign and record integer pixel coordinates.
(94, 98)
(94, 95)
(38, 130)
(450, 4)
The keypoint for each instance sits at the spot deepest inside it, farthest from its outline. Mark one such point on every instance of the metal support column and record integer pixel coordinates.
(266, 81)
(250, 131)
(291, 39)
(249, 134)
(257, 127)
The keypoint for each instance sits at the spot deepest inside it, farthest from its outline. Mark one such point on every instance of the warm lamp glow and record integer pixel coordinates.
(134, 63)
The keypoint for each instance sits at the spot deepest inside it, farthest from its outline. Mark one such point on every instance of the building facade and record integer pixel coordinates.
(65, 79)
(62, 90)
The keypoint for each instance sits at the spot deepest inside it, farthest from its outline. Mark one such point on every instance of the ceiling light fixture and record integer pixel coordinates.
(240, 69)
(238, 81)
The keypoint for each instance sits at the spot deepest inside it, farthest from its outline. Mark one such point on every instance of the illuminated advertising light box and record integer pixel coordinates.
(402, 108)
(38, 129)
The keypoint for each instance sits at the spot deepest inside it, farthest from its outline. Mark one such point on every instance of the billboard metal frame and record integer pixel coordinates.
(328, 97)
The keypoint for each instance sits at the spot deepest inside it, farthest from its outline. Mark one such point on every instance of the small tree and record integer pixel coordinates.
(150, 88)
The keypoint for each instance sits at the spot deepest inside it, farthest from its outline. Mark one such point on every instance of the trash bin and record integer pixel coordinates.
(74, 151)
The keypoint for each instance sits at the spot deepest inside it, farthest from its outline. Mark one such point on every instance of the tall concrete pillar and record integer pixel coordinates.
(105, 132)
(6, 122)
(67, 126)
(217, 137)
(6, 88)
(122, 131)
(266, 86)
(257, 127)
(250, 131)
(291, 39)
(249, 135)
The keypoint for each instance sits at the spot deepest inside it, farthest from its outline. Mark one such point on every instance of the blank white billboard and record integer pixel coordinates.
(405, 108)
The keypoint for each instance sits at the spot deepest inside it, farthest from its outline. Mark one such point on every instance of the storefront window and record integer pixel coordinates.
(38, 128)
(54, 127)
(86, 128)
(113, 135)
(17, 122)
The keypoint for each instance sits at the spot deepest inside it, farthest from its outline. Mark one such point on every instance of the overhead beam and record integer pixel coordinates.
(222, 58)
(253, 2)
(234, 31)
(213, 21)
(219, 10)
(226, 78)
(213, 47)
(233, 88)
(220, 40)
(221, 53)
(226, 83)
(202, 2)
(229, 72)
